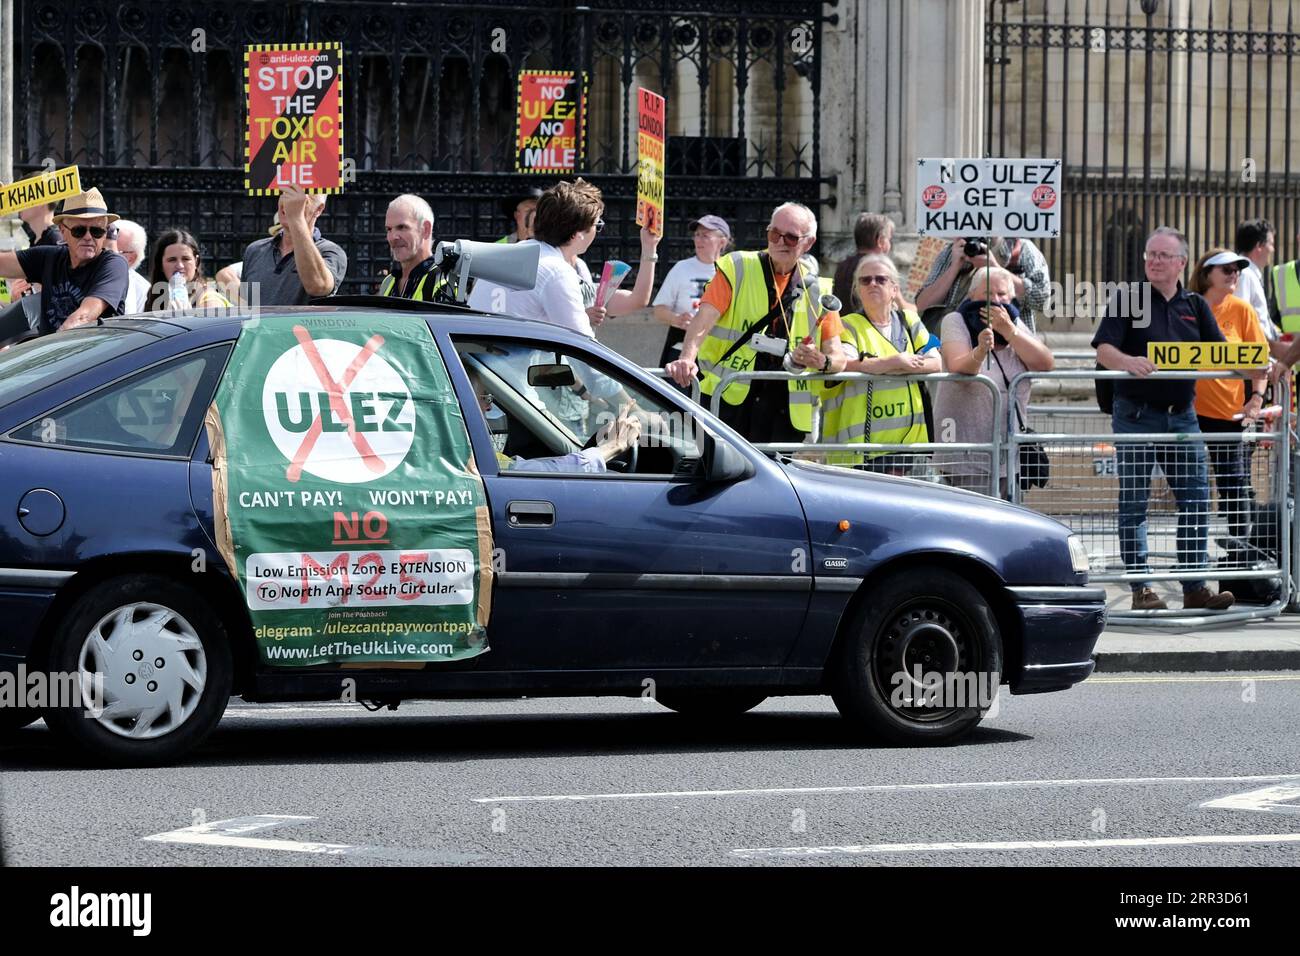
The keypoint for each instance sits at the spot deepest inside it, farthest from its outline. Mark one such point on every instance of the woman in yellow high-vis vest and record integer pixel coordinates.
(880, 340)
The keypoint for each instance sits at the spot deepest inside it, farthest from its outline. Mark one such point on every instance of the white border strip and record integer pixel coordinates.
(1206, 840)
(884, 788)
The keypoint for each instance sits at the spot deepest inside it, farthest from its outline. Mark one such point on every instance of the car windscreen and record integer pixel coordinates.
(32, 365)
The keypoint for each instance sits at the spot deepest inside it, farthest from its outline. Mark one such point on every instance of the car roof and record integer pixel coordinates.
(230, 320)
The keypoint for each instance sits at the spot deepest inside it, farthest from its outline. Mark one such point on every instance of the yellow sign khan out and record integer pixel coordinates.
(45, 187)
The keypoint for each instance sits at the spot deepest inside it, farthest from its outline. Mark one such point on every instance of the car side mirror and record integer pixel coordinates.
(550, 376)
(722, 463)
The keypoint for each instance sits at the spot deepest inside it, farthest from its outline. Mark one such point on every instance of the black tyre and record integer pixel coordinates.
(710, 703)
(164, 661)
(928, 624)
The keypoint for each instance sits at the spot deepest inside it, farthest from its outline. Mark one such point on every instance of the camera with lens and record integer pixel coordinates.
(976, 247)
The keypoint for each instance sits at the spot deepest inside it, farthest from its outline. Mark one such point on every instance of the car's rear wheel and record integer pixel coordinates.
(923, 660)
(154, 667)
(710, 703)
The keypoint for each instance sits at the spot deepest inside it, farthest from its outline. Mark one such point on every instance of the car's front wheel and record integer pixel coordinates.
(154, 667)
(923, 660)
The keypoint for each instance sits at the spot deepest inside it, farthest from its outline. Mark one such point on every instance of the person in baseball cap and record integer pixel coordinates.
(81, 282)
(686, 281)
(519, 208)
(716, 223)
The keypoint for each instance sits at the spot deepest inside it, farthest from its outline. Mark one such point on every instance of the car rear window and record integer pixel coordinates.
(34, 364)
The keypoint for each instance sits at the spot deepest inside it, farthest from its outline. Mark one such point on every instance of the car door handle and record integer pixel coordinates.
(530, 514)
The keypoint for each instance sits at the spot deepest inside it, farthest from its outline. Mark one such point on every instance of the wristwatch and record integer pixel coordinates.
(826, 366)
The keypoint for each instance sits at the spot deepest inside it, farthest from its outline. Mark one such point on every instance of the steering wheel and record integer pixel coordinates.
(627, 459)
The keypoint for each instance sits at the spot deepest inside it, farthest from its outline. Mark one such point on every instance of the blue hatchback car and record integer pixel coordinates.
(696, 567)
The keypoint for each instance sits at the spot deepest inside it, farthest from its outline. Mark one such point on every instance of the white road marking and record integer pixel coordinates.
(1206, 840)
(231, 833)
(1265, 800)
(1190, 680)
(884, 788)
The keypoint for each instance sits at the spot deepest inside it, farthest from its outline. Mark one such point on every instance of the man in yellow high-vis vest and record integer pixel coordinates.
(1284, 307)
(520, 208)
(408, 226)
(759, 307)
(1286, 296)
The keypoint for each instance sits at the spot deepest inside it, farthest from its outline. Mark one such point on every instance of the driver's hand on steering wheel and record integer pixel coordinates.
(616, 437)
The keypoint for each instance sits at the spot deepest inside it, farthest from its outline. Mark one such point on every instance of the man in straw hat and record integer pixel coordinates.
(82, 281)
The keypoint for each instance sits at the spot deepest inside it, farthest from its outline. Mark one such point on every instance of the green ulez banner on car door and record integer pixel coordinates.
(346, 499)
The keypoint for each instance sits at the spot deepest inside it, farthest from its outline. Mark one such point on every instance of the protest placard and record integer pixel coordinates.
(650, 161)
(1208, 356)
(551, 122)
(988, 197)
(347, 505)
(294, 137)
(44, 187)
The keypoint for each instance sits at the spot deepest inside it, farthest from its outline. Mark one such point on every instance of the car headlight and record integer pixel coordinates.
(1078, 554)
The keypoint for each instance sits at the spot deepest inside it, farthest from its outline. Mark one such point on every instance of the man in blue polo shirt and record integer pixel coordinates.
(1165, 405)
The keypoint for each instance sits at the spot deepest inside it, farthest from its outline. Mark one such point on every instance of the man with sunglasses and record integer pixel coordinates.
(760, 307)
(81, 282)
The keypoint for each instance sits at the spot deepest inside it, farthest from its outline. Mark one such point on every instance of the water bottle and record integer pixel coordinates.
(178, 297)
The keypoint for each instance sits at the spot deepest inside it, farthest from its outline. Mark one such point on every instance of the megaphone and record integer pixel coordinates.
(513, 265)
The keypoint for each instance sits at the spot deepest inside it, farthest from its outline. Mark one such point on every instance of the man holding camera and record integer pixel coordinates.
(950, 277)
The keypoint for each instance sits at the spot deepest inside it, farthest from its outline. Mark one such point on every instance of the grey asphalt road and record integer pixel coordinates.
(1117, 771)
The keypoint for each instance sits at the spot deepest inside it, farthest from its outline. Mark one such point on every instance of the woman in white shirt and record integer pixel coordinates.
(564, 227)
(679, 296)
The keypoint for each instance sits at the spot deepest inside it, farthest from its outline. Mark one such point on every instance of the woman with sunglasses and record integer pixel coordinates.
(880, 340)
(177, 251)
(1218, 400)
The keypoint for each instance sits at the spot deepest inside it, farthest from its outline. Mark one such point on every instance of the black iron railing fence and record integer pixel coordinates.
(1178, 113)
(148, 98)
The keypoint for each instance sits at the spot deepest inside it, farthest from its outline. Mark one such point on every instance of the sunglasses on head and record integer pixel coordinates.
(873, 280)
(775, 236)
(79, 231)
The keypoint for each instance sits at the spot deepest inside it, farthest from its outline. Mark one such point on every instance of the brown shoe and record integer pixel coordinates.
(1205, 599)
(1147, 600)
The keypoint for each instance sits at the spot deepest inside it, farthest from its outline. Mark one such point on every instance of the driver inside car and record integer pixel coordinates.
(611, 439)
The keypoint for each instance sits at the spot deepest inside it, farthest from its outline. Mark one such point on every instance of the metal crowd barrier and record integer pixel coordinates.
(1083, 493)
(915, 458)
(1083, 489)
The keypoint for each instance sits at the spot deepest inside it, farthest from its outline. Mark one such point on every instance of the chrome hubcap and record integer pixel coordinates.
(151, 666)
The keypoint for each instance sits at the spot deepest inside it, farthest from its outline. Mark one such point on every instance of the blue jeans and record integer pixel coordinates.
(1184, 465)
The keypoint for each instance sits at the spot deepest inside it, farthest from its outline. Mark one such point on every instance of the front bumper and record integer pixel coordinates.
(1059, 627)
